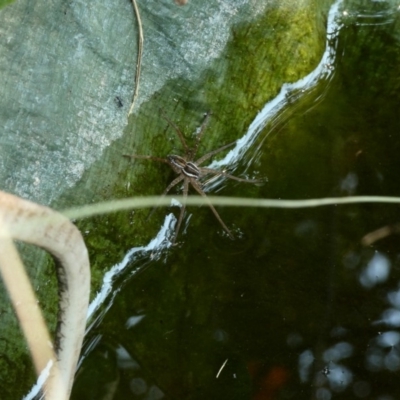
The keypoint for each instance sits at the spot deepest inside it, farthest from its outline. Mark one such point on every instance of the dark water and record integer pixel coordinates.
(297, 307)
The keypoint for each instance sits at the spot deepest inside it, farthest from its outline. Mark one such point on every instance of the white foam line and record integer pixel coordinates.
(38, 386)
(155, 247)
(323, 70)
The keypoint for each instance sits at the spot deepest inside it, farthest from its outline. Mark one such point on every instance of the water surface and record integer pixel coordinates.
(297, 306)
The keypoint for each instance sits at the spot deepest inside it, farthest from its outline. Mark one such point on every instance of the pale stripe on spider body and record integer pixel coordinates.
(188, 168)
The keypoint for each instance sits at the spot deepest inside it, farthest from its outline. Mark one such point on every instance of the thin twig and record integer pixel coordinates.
(381, 233)
(222, 367)
(140, 53)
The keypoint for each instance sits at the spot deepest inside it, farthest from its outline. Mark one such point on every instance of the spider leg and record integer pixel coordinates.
(164, 160)
(212, 153)
(200, 191)
(169, 187)
(181, 214)
(178, 131)
(215, 172)
(200, 134)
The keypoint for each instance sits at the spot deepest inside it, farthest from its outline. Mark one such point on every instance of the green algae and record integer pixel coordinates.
(3, 3)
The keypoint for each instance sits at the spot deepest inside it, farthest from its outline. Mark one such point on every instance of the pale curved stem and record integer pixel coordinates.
(43, 227)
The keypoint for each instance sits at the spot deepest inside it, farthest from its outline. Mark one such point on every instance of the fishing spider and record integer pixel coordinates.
(190, 172)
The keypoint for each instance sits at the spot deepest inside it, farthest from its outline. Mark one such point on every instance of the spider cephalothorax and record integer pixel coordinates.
(190, 171)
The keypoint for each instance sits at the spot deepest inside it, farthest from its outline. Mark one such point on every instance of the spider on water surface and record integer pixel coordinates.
(190, 172)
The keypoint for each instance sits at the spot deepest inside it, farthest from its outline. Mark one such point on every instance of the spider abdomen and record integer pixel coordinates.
(188, 168)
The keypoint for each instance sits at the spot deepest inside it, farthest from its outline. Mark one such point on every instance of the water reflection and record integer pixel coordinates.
(372, 13)
(376, 271)
(306, 361)
(349, 183)
(133, 321)
(391, 317)
(338, 352)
